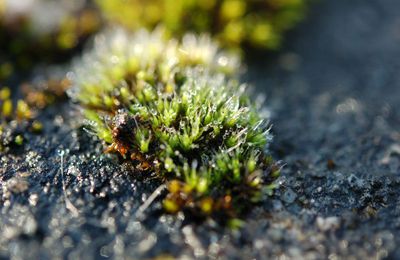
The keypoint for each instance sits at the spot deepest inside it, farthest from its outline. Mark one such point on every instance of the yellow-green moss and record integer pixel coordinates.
(257, 23)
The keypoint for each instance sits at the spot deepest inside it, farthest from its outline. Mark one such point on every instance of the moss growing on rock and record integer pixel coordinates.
(257, 23)
(169, 107)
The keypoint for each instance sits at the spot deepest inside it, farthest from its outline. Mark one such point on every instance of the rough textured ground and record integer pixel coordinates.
(333, 93)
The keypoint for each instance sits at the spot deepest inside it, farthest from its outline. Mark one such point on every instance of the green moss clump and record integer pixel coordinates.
(9, 111)
(256, 23)
(169, 108)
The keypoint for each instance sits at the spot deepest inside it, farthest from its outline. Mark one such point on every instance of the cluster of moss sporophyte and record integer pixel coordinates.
(256, 23)
(172, 109)
(43, 30)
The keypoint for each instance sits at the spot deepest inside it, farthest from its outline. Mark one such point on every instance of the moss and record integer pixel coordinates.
(19, 140)
(177, 110)
(257, 23)
(20, 115)
(35, 97)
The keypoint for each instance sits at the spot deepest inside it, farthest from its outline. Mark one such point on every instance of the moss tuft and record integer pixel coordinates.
(177, 110)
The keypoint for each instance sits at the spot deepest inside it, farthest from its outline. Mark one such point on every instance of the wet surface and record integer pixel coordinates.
(333, 93)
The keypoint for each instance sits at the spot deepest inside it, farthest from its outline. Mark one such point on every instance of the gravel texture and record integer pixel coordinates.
(333, 92)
